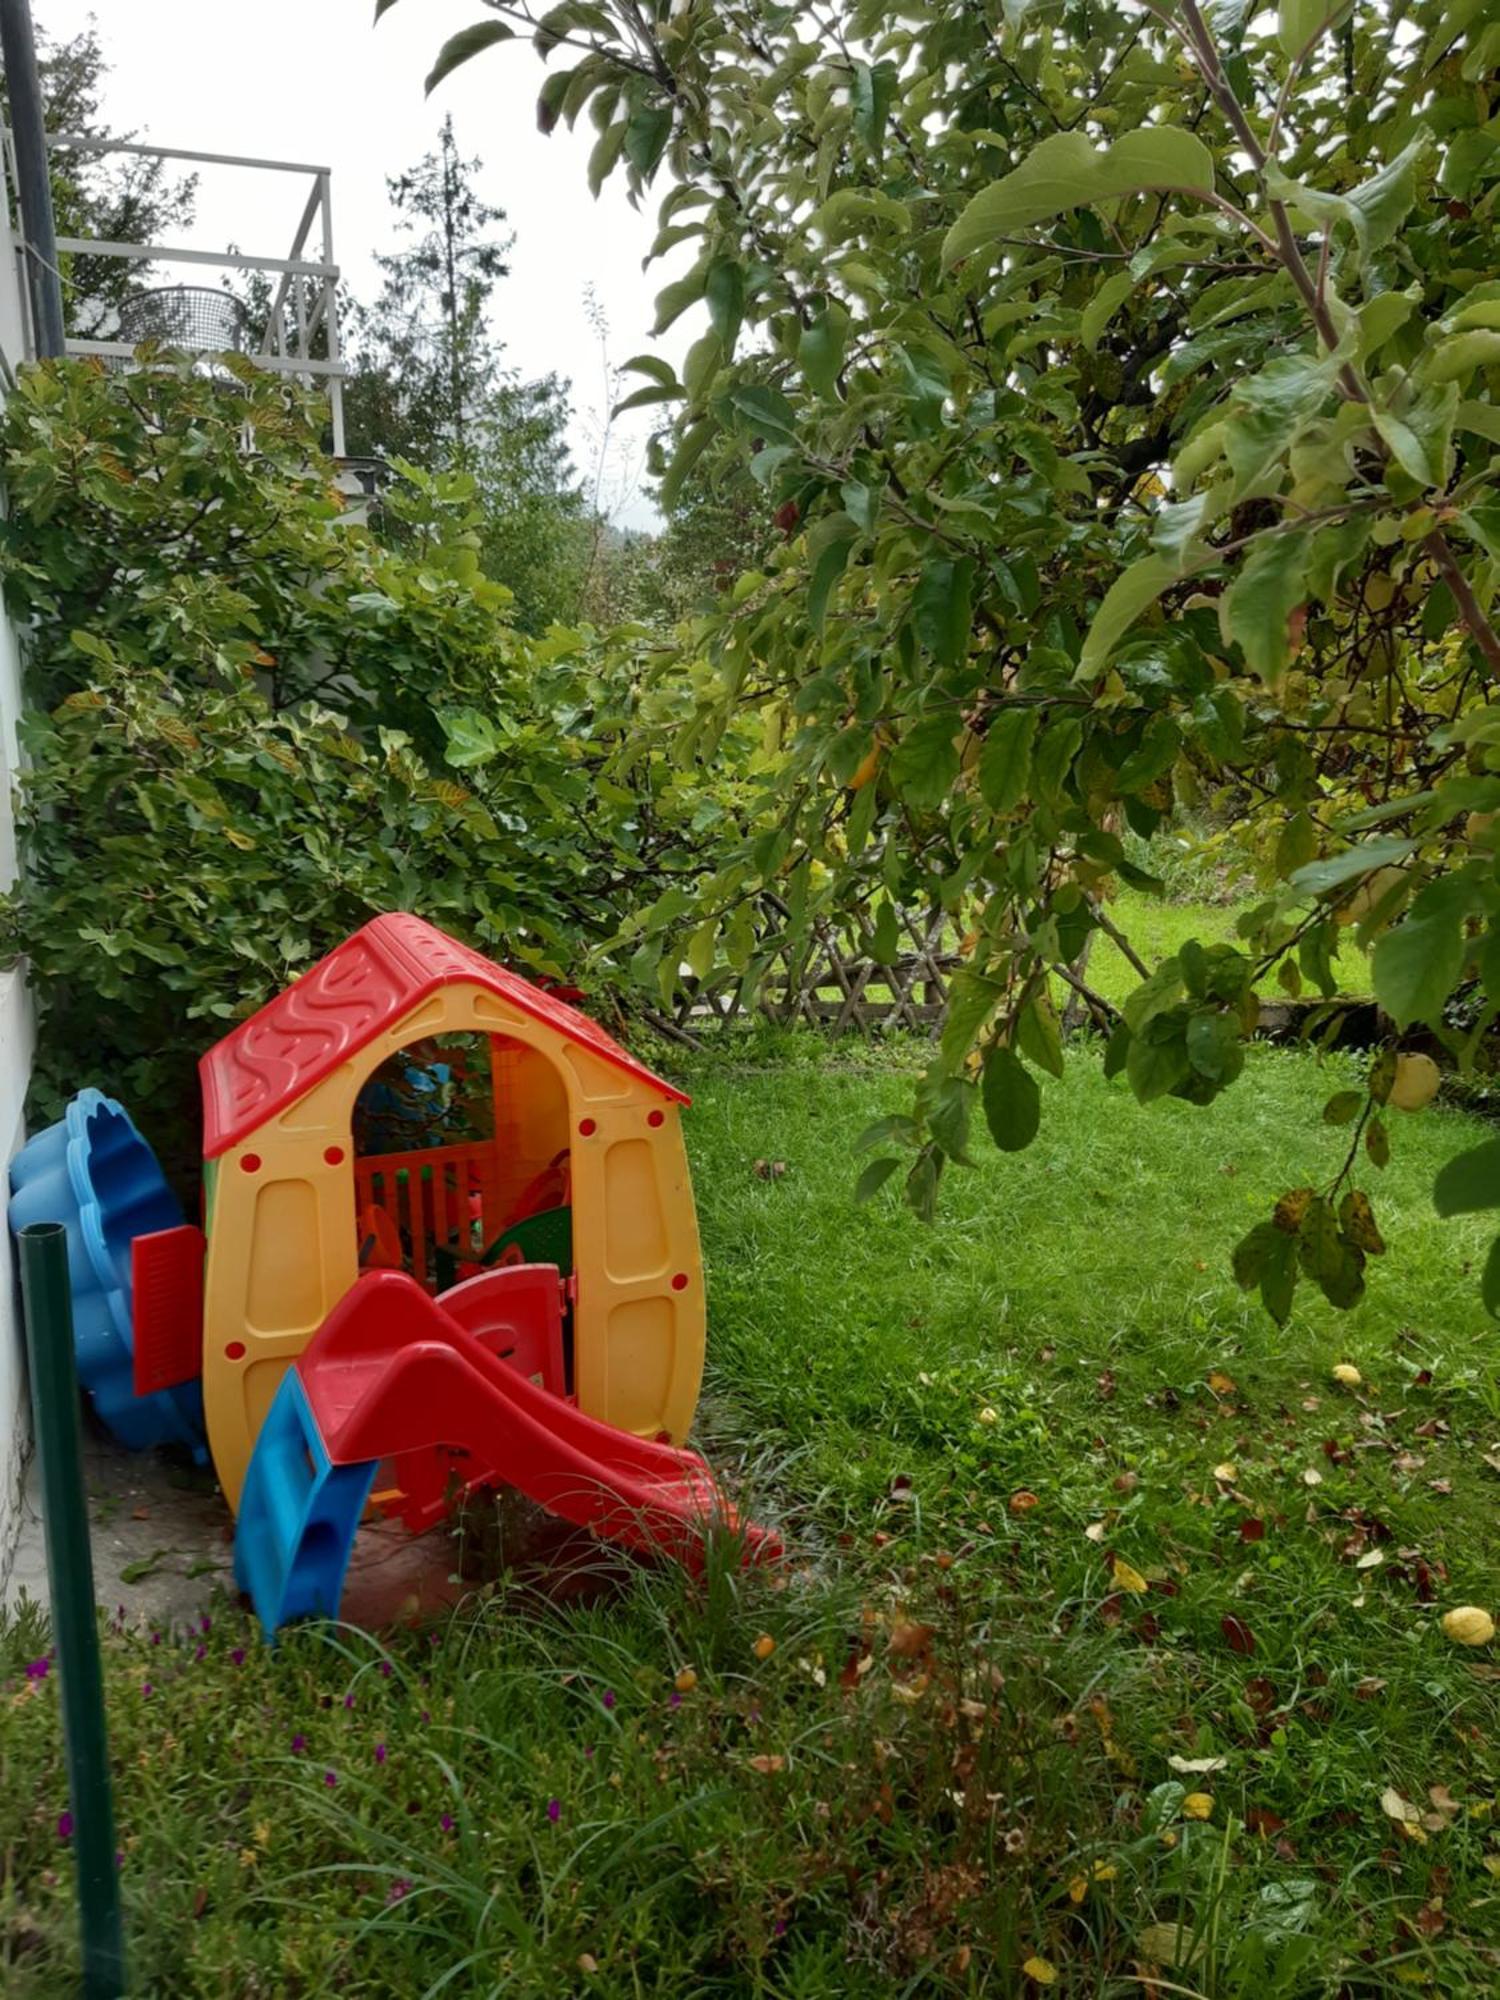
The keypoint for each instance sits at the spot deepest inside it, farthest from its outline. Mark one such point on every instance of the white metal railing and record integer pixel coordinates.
(301, 335)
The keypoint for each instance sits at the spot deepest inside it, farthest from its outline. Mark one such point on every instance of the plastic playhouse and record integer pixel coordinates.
(519, 1304)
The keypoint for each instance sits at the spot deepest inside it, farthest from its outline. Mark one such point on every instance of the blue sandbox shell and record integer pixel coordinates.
(95, 1174)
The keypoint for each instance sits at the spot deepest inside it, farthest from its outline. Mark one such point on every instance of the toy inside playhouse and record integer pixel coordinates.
(448, 1242)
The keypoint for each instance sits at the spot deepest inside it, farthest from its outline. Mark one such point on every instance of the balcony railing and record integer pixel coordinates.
(301, 331)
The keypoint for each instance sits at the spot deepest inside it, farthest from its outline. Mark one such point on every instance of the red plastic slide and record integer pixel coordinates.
(390, 1373)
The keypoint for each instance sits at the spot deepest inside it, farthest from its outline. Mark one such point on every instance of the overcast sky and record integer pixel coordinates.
(312, 80)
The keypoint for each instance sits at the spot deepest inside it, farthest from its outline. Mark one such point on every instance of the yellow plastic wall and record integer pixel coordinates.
(282, 1244)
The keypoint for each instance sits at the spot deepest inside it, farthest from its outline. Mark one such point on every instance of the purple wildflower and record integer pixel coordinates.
(146, 1687)
(156, 1638)
(65, 1826)
(385, 1669)
(205, 1623)
(119, 1857)
(426, 1717)
(299, 1742)
(674, 1699)
(554, 1810)
(609, 1697)
(330, 1778)
(398, 1889)
(201, 1653)
(38, 1670)
(379, 1753)
(447, 1822)
(348, 1701)
(779, 1928)
(238, 1656)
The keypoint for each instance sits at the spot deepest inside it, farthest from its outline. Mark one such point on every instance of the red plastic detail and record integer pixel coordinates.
(656, 1117)
(679, 1281)
(392, 1374)
(250, 1164)
(166, 1291)
(333, 1156)
(234, 1350)
(515, 1310)
(332, 1012)
(587, 1127)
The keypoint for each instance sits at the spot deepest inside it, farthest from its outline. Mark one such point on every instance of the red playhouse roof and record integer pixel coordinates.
(344, 1002)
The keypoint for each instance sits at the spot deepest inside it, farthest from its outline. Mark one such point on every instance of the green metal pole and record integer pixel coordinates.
(70, 1574)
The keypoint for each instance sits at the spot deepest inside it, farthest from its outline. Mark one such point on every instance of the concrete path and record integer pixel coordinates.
(163, 1544)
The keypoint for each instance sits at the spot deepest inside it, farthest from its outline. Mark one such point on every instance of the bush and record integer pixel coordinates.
(264, 727)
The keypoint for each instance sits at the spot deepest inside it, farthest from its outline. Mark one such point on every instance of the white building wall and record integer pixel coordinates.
(15, 1011)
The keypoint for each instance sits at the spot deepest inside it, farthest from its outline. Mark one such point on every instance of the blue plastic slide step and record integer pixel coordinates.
(298, 1515)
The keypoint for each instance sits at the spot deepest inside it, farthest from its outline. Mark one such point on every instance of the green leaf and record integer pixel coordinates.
(1457, 356)
(1103, 306)
(1299, 23)
(764, 410)
(836, 540)
(472, 738)
(1158, 1060)
(653, 368)
(972, 998)
(1278, 1278)
(646, 137)
(605, 156)
(1053, 758)
(1343, 1107)
(1213, 1044)
(1005, 759)
(941, 608)
(924, 764)
(1254, 610)
(885, 940)
(1421, 436)
(1012, 1099)
(724, 288)
(1252, 1253)
(1489, 1284)
(949, 1116)
(1127, 597)
(673, 300)
(1065, 171)
(1270, 412)
(922, 1183)
(695, 441)
(874, 1178)
(458, 48)
(1416, 966)
(1375, 210)
(871, 95)
(1470, 1183)
(1318, 877)
(1038, 1035)
(820, 349)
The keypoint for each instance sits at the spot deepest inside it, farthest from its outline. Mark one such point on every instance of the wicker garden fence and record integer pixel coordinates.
(828, 978)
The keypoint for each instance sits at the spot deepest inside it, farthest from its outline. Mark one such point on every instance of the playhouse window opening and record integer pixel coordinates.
(459, 1137)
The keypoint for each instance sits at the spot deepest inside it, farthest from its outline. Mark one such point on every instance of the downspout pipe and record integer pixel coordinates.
(33, 178)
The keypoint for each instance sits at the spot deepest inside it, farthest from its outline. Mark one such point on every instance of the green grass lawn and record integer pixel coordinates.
(1157, 928)
(1110, 1619)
